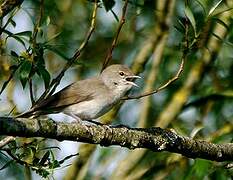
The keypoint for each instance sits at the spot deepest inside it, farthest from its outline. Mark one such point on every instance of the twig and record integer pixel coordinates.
(163, 86)
(55, 82)
(170, 81)
(31, 92)
(114, 42)
(6, 140)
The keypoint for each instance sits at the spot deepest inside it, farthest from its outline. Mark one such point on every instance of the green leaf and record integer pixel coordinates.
(6, 83)
(24, 72)
(42, 172)
(24, 33)
(180, 27)
(13, 23)
(222, 23)
(45, 75)
(68, 157)
(202, 5)
(14, 54)
(191, 18)
(108, 4)
(6, 165)
(10, 34)
(53, 37)
(54, 164)
(44, 158)
(47, 21)
(201, 168)
(13, 68)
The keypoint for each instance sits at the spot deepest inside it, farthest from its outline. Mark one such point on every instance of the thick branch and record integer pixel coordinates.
(154, 138)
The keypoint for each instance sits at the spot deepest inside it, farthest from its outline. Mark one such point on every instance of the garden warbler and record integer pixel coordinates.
(90, 98)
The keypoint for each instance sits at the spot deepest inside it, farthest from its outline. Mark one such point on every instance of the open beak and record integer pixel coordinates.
(130, 80)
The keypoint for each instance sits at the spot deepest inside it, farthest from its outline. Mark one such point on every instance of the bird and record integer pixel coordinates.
(89, 98)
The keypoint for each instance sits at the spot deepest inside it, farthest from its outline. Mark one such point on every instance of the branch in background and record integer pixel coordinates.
(154, 138)
(8, 5)
(55, 82)
(122, 22)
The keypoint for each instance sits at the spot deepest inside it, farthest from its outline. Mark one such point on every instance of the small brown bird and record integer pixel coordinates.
(90, 98)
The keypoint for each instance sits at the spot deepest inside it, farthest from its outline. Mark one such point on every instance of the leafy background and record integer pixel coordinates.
(35, 48)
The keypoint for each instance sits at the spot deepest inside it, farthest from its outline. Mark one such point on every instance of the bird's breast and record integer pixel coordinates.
(90, 109)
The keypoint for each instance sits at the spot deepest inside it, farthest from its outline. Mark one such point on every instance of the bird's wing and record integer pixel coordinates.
(72, 94)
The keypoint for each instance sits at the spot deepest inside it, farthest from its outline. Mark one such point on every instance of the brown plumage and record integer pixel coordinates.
(89, 98)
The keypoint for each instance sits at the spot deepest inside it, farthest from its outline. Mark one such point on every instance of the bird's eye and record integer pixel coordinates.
(121, 73)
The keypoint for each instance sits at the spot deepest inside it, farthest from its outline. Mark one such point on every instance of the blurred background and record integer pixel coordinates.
(39, 37)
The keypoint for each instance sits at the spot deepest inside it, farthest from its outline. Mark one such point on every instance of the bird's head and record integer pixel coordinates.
(119, 78)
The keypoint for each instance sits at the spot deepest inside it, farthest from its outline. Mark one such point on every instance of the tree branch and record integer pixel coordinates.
(114, 42)
(154, 138)
(162, 87)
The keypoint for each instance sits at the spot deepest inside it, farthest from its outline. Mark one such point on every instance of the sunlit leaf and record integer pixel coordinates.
(47, 20)
(214, 7)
